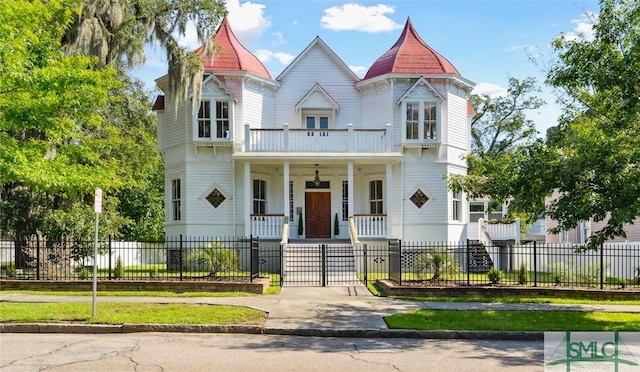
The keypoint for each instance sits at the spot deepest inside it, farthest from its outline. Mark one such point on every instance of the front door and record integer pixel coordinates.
(317, 216)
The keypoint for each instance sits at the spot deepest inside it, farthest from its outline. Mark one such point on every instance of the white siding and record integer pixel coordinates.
(457, 123)
(317, 67)
(202, 178)
(377, 107)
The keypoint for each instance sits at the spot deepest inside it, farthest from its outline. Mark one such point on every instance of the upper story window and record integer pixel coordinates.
(421, 120)
(317, 122)
(213, 119)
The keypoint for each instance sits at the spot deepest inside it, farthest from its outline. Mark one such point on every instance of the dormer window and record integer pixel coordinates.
(316, 121)
(213, 120)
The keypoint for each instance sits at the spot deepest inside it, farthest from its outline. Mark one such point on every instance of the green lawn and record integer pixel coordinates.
(134, 313)
(491, 320)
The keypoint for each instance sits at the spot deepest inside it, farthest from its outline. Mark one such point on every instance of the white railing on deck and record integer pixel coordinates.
(318, 140)
(502, 230)
(371, 225)
(267, 226)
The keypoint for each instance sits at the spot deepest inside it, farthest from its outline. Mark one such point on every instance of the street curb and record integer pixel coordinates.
(257, 329)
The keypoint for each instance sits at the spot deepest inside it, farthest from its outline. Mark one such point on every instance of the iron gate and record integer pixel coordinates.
(319, 265)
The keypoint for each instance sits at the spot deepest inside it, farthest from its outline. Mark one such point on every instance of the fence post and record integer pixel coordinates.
(535, 264)
(109, 257)
(601, 265)
(366, 266)
(323, 252)
(400, 262)
(38, 256)
(468, 264)
(281, 264)
(180, 257)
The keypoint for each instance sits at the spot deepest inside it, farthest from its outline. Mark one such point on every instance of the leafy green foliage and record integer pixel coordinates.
(494, 275)
(523, 274)
(439, 262)
(217, 258)
(118, 271)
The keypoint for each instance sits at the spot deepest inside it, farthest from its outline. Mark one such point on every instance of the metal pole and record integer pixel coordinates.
(95, 269)
(535, 264)
(366, 265)
(601, 266)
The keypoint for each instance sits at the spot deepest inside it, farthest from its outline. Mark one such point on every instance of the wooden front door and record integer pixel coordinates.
(317, 214)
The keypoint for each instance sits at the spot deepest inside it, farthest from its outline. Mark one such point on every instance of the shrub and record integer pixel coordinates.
(217, 258)
(119, 270)
(559, 272)
(523, 274)
(622, 282)
(495, 275)
(84, 273)
(11, 270)
(438, 261)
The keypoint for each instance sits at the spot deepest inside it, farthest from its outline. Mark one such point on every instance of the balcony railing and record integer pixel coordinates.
(318, 140)
(267, 226)
(501, 230)
(371, 225)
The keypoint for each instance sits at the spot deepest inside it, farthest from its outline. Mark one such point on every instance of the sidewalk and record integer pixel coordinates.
(309, 311)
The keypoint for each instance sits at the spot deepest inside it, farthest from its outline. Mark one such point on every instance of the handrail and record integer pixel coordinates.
(353, 232)
(285, 231)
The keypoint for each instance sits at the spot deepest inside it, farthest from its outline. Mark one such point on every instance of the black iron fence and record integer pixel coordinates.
(407, 263)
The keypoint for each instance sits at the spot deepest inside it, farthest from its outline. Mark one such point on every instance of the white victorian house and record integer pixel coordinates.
(318, 144)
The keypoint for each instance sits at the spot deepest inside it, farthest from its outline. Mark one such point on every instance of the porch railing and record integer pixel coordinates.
(318, 140)
(501, 230)
(267, 226)
(371, 225)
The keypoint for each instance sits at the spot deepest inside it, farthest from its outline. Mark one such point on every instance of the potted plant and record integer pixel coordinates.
(300, 226)
(336, 226)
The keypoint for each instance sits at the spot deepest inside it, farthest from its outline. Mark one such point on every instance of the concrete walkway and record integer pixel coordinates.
(314, 311)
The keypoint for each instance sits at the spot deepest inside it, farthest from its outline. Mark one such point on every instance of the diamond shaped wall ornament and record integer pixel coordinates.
(419, 198)
(216, 198)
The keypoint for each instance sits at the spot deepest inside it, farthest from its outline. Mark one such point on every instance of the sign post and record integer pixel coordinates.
(97, 208)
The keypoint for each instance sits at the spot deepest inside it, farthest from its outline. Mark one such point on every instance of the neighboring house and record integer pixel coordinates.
(317, 143)
(581, 233)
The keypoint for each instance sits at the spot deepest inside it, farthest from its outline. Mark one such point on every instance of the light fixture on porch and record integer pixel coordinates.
(316, 180)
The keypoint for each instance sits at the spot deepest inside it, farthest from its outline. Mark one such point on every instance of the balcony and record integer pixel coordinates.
(318, 140)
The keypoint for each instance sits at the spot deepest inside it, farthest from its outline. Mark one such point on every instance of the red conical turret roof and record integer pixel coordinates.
(411, 55)
(232, 55)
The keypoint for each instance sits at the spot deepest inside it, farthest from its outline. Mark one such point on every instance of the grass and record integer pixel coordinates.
(132, 313)
(134, 294)
(516, 300)
(491, 320)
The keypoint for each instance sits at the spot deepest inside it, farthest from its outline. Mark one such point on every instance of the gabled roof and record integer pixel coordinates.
(421, 82)
(410, 55)
(231, 54)
(318, 98)
(158, 105)
(321, 44)
(213, 79)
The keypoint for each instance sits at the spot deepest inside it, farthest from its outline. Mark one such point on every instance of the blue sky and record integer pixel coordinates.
(487, 40)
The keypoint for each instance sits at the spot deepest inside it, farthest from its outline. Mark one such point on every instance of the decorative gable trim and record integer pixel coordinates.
(317, 99)
(213, 85)
(421, 88)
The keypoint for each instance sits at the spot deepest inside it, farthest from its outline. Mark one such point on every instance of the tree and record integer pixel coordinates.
(588, 168)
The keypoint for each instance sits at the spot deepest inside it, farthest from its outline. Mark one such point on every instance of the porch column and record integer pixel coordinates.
(389, 199)
(247, 199)
(286, 194)
(350, 189)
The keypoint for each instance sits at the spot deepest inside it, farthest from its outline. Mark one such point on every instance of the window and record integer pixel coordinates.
(412, 120)
(375, 197)
(205, 120)
(317, 122)
(456, 206)
(259, 197)
(175, 199)
(222, 119)
(345, 200)
(290, 201)
(419, 198)
(215, 198)
(476, 211)
(421, 120)
(430, 121)
(496, 214)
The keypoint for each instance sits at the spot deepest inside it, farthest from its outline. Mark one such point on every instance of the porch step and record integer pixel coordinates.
(479, 259)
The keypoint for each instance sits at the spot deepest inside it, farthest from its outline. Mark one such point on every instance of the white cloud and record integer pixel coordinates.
(266, 55)
(190, 38)
(247, 20)
(359, 17)
(278, 38)
(359, 70)
(492, 90)
(583, 29)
